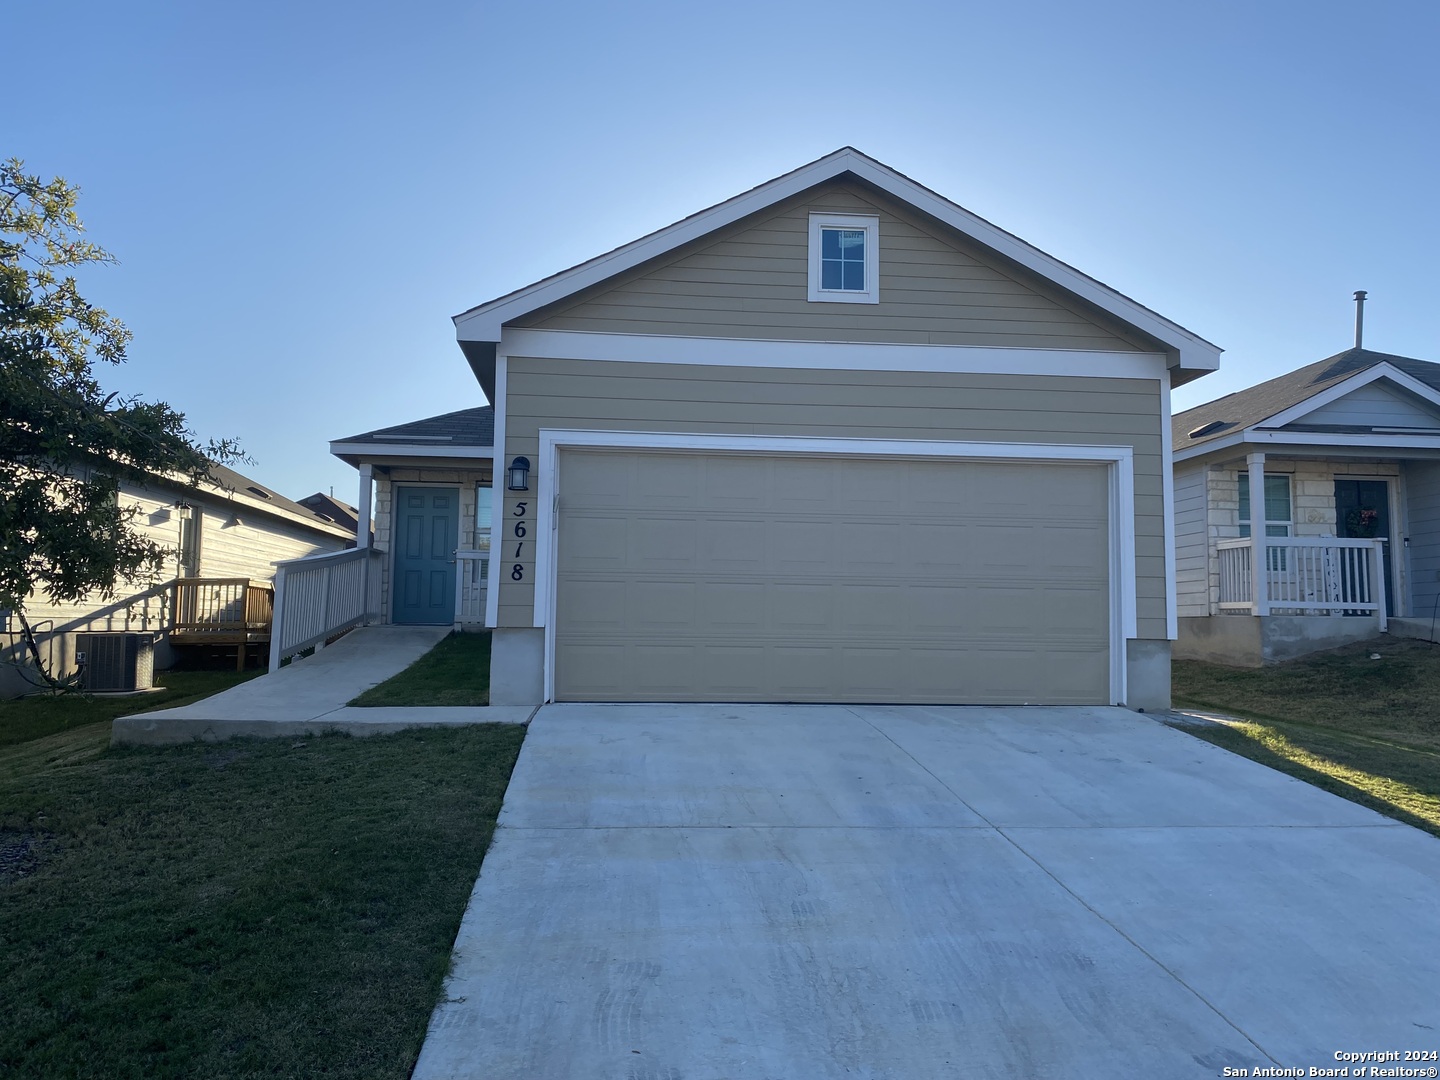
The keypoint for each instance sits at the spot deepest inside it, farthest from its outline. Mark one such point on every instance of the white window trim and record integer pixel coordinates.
(1244, 504)
(1120, 459)
(870, 224)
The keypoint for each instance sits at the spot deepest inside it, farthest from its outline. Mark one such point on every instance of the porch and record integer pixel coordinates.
(320, 597)
(1303, 576)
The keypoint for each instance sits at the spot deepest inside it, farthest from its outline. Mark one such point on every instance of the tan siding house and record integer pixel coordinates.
(835, 439)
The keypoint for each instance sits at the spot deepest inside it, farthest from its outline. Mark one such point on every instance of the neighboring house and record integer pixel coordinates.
(330, 508)
(835, 439)
(1342, 461)
(232, 531)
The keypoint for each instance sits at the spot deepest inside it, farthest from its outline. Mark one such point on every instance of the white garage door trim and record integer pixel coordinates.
(1120, 459)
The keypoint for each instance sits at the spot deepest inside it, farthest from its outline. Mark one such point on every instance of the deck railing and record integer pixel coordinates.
(1304, 576)
(471, 580)
(221, 605)
(322, 595)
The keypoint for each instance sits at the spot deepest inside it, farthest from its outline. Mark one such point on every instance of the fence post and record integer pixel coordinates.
(1377, 550)
(277, 618)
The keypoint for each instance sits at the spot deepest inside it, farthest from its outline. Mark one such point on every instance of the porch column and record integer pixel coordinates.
(1259, 561)
(362, 527)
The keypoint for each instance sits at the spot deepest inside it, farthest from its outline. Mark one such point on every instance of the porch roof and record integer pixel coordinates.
(465, 433)
(1224, 420)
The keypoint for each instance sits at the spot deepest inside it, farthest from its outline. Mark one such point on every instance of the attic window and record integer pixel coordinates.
(258, 492)
(844, 259)
(1206, 429)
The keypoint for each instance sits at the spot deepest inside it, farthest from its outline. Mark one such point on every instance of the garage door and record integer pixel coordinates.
(750, 577)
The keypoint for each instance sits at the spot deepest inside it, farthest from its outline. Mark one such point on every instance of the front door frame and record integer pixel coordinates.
(1399, 579)
(396, 485)
(1120, 459)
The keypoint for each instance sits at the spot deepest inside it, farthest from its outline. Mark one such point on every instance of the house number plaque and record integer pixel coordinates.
(517, 572)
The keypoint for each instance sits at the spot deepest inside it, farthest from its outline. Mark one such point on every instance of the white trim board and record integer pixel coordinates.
(1381, 370)
(1123, 619)
(1372, 444)
(484, 323)
(830, 355)
(1167, 490)
(497, 488)
(376, 451)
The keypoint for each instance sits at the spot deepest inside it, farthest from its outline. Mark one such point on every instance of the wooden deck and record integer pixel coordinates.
(222, 611)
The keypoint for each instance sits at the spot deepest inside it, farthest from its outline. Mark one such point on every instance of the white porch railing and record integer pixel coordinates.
(1304, 576)
(319, 596)
(471, 580)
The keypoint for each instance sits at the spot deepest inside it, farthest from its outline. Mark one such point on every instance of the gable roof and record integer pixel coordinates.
(1243, 409)
(480, 327)
(331, 507)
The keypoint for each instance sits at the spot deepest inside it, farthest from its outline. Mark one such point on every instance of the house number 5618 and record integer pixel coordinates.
(517, 572)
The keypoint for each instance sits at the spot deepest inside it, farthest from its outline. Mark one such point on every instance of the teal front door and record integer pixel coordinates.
(427, 532)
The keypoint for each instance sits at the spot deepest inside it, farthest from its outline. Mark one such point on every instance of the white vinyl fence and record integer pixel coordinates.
(319, 596)
(1304, 576)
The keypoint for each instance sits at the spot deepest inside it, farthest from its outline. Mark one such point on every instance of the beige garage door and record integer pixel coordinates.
(747, 577)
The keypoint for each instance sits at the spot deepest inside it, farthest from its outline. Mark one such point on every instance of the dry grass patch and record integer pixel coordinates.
(1366, 729)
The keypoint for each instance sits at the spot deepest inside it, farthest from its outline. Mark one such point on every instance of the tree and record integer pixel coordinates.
(66, 445)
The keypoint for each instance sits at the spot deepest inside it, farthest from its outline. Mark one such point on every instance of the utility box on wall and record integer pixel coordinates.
(117, 661)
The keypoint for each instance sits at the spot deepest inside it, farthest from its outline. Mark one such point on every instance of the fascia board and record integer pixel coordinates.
(1319, 439)
(1382, 370)
(484, 322)
(1195, 351)
(376, 451)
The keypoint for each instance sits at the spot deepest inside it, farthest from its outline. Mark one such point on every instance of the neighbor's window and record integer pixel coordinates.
(1278, 518)
(844, 258)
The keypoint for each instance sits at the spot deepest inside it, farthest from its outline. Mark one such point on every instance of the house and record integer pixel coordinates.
(226, 539)
(1341, 458)
(834, 439)
(327, 506)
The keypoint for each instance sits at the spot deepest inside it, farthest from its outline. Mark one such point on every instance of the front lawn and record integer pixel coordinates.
(23, 719)
(278, 908)
(1366, 729)
(455, 672)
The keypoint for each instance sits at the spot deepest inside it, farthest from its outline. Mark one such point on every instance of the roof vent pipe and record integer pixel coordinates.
(1359, 317)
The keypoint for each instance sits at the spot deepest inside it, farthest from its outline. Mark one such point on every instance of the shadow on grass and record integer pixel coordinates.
(454, 672)
(1400, 782)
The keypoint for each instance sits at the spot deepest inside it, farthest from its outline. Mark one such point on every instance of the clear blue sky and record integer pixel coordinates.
(301, 194)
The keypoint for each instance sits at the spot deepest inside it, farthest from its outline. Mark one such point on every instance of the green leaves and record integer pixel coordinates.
(65, 445)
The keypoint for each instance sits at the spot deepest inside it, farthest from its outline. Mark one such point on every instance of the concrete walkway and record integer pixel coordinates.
(715, 892)
(309, 696)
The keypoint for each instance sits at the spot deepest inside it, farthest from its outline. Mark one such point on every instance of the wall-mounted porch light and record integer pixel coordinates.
(519, 474)
(184, 508)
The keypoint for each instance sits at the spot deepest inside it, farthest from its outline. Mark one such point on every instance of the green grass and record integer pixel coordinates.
(29, 718)
(1368, 730)
(279, 908)
(455, 672)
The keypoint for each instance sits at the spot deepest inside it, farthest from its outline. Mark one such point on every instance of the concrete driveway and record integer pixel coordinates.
(765, 892)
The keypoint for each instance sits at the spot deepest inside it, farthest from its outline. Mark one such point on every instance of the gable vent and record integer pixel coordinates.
(1206, 429)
